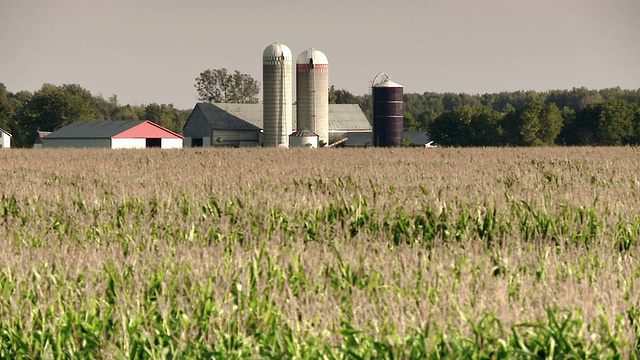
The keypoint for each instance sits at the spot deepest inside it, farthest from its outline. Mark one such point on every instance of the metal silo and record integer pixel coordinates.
(387, 111)
(303, 138)
(277, 96)
(312, 93)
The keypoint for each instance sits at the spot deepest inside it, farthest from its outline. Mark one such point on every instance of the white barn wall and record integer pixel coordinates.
(171, 143)
(5, 140)
(124, 143)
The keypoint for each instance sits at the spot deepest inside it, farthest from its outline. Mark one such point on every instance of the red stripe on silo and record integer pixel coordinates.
(312, 68)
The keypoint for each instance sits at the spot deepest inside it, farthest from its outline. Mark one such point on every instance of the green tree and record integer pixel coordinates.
(534, 124)
(341, 96)
(612, 122)
(409, 123)
(332, 95)
(345, 97)
(466, 126)
(128, 112)
(52, 107)
(164, 115)
(6, 113)
(218, 85)
(615, 122)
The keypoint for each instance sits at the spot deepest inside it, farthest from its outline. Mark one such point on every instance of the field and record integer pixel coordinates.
(328, 253)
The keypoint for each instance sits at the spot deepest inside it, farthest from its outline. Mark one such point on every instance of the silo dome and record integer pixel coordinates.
(312, 79)
(277, 50)
(312, 56)
(277, 95)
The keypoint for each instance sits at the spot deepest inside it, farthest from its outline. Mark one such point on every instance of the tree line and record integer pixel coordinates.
(579, 116)
(51, 107)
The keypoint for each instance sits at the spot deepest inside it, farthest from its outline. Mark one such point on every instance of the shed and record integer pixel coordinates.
(365, 139)
(303, 138)
(227, 124)
(120, 134)
(5, 139)
(39, 136)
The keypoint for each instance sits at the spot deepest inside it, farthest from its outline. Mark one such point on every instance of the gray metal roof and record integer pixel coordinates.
(93, 129)
(347, 117)
(417, 138)
(228, 116)
(303, 133)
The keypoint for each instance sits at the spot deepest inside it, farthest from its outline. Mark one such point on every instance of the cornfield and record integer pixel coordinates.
(333, 253)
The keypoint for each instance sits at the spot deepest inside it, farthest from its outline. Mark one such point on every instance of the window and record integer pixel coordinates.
(151, 143)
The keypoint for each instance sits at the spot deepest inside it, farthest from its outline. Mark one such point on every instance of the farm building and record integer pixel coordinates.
(238, 125)
(39, 135)
(5, 139)
(365, 139)
(119, 134)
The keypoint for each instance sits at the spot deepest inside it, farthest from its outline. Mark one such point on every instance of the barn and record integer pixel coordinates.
(39, 136)
(5, 139)
(120, 134)
(365, 139)
(239, 125)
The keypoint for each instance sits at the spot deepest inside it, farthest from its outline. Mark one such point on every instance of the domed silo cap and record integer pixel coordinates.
(277, 50)
(312, 56)
(388, 83)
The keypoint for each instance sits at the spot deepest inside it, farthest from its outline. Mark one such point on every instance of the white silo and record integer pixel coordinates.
(312, 93)
(277, 95)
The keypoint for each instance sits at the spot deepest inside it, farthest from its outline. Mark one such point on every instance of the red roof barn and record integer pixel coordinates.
(114, 134)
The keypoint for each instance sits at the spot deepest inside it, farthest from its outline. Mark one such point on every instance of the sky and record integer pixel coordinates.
(147, 51)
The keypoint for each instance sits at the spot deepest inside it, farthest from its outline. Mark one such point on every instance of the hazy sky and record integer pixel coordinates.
(152, 50)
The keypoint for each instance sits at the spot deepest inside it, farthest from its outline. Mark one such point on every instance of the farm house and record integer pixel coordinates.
(238, 125)
(119, 134)
(5, 139)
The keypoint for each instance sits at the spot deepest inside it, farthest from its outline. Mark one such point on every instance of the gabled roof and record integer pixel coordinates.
(93, 129)
(148, 129)
(228, 116)
(5, 131)
(347, 117)
(101, 129)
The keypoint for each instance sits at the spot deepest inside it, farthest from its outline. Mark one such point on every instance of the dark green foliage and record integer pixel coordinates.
(534, 124)
(51, 108)
(218, 85)
(467, 126)
(613, 122)
(341, 96)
